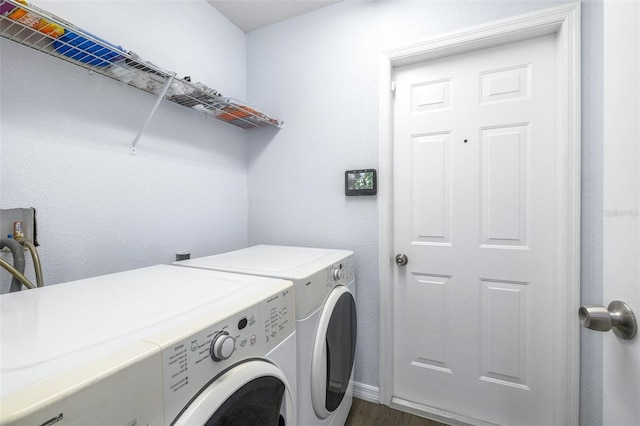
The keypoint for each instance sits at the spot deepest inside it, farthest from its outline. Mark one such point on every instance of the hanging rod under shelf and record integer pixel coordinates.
(51, 35)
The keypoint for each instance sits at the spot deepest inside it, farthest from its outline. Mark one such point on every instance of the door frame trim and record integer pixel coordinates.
(564, 21)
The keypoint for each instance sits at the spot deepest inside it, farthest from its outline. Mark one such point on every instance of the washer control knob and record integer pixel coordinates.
(337, 274)
(222, 346)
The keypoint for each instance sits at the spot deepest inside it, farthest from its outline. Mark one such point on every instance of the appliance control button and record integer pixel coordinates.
(243, 342)
(222, 346)
(337, 274)
(242, 323)
(253, 340)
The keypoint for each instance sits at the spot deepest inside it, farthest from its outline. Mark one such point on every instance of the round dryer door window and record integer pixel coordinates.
(252, 393)
(333, 352)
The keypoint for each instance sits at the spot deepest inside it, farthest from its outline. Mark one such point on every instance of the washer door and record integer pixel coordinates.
(334, 350)
(252, 393)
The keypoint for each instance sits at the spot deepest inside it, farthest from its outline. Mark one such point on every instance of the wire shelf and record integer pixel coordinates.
(38, 29)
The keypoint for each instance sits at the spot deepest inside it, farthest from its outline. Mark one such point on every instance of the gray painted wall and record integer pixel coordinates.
(319, 73)
(65, 136)
(196, 185)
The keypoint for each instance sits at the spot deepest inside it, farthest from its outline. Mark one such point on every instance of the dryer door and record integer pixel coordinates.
(334, 350)
(252, 393)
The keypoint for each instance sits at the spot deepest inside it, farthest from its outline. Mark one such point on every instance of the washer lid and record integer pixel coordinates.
(271, 261)
(56, 328)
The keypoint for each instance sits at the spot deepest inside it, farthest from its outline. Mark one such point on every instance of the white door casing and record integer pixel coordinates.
(563, 22)
(621, 221)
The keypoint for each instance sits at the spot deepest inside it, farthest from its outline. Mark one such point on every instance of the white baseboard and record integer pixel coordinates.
(366, 392)
(372, 394)
(436, 414)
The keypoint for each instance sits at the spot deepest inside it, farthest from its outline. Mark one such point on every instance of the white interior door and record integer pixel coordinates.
(621, 358)
(476, 193)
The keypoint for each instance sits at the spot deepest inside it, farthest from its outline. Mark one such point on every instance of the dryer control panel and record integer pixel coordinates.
(312, 291)
(191, 363)
(340, 273)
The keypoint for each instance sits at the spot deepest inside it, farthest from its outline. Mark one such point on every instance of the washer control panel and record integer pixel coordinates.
(222, 346)
(190, 363)
(278, 319)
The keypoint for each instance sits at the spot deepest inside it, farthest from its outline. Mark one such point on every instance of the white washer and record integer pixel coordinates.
(134, 348)
(326, 320)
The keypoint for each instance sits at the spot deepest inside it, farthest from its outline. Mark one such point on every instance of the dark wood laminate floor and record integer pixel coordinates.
(364, 413)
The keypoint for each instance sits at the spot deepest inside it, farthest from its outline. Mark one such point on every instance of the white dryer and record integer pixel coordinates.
(152, 346)
(326, 320)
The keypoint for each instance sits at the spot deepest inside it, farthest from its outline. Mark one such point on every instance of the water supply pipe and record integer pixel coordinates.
(17, 270)
(16, 276)
(37, 266)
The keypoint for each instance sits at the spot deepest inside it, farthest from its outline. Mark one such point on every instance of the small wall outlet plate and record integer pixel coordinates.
(183, 256)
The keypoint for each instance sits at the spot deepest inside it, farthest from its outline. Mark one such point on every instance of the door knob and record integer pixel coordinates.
(401, 259)
(617, 317)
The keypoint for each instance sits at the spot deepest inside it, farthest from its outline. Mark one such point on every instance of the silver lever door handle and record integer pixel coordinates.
(617, 317)
(401, 259)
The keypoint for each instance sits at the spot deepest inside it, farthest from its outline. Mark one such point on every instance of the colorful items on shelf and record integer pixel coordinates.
(6, 7)
(232, 112)
(244, 116)
(87, 51)
(125, 66)
(31, 20)
(236, 112)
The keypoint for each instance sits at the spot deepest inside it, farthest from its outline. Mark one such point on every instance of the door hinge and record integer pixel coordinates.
(393, 86)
